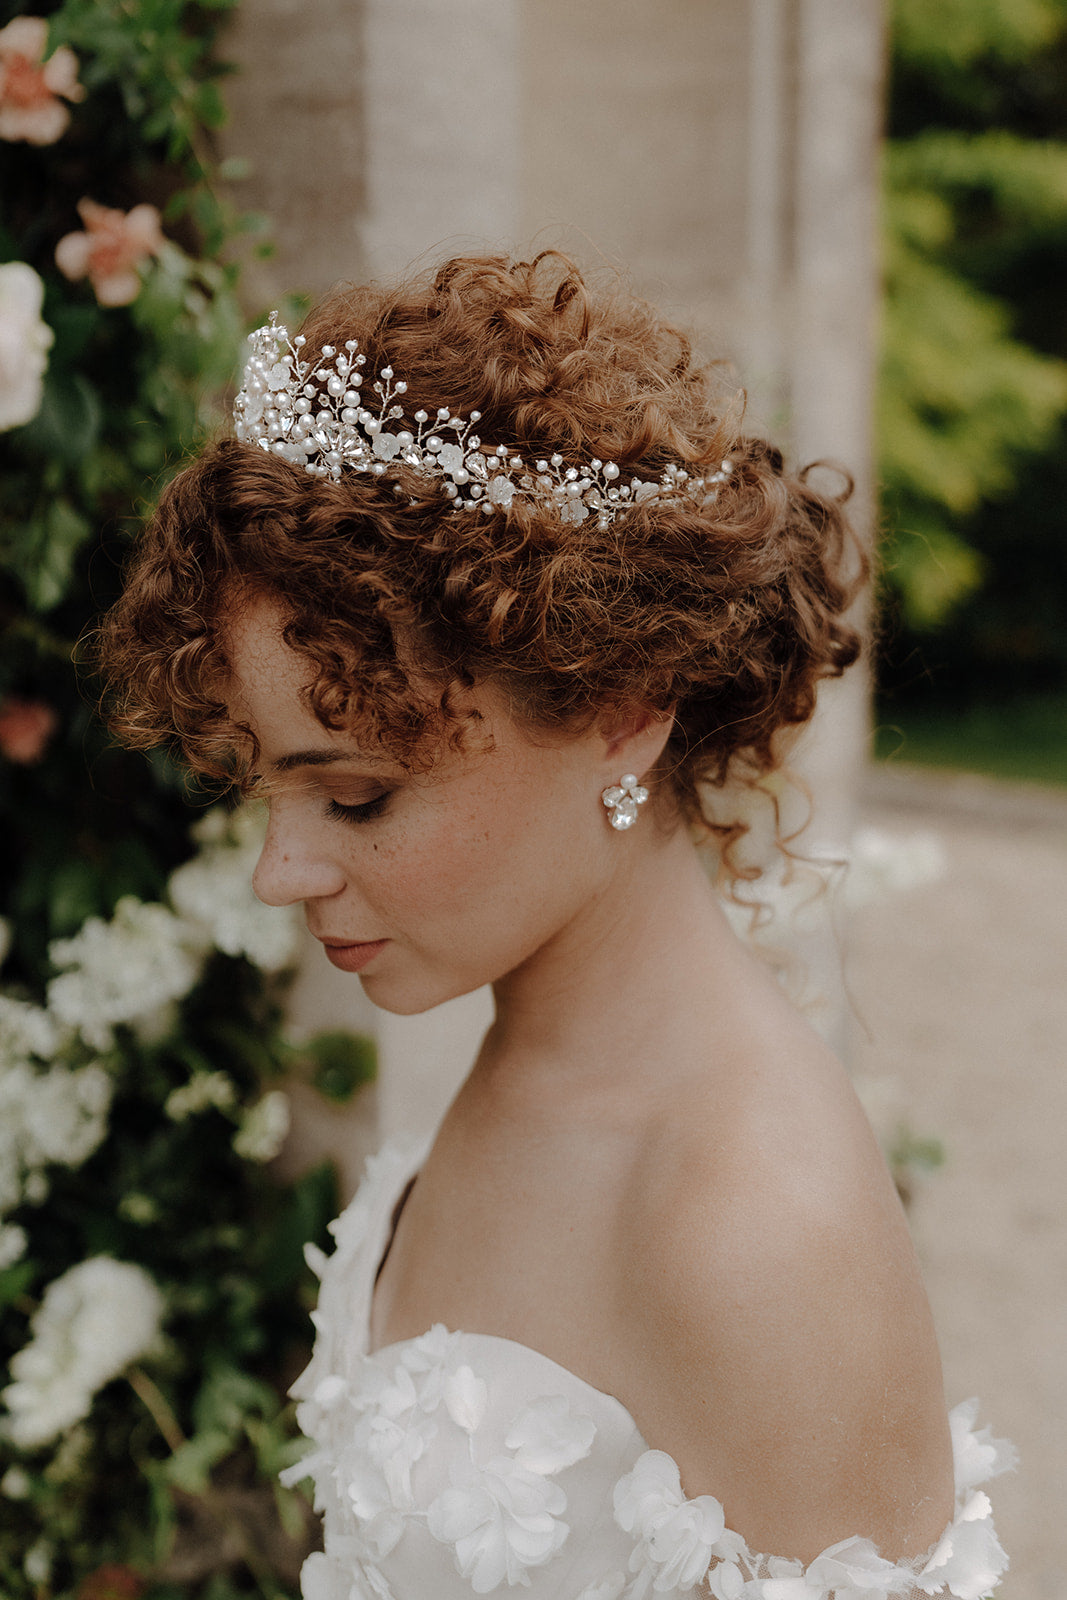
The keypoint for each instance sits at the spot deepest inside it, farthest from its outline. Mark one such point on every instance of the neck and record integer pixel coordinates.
(649, 965)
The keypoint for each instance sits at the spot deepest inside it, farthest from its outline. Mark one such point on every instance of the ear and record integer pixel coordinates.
(634, 739)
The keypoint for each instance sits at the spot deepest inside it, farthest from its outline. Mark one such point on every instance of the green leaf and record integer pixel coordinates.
(932, 569)
(342, 1063)
(15, 1281)
(69, 421)
(191, 1465)
(42, 552)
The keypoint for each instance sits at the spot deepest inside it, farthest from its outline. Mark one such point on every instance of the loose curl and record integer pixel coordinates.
(728, 614)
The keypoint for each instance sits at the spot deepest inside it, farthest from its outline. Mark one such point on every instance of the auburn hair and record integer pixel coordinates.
(729, 612)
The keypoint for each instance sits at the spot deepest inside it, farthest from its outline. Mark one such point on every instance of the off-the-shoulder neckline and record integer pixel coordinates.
(394, 1166)
(380, 1245)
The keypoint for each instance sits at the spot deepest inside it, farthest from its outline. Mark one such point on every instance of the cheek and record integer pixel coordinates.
(504, 858)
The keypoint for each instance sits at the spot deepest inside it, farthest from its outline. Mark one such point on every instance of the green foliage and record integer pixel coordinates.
(340, 1062)
(167, 1485)
(973, 396)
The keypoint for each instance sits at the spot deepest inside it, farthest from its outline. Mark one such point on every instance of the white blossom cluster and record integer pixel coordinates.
(49, 1113)
(128, 970)
(213, 892)
(133, 969)
(93, 1322)
(263, 1128)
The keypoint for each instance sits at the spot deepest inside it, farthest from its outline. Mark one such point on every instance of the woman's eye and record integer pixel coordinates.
(364, 812)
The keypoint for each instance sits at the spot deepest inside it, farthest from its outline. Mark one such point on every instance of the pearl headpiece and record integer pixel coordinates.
(315, 415)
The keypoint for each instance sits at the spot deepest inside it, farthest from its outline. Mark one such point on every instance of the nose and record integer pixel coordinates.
(291, 868)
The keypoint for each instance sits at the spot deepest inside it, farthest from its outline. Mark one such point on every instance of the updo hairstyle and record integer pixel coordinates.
(728, 612)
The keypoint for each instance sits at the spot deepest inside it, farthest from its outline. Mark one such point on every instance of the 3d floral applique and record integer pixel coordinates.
(676, 1539)
(504, 1517)
(548, 1438)
(390, 1430)
(852, 1569)
(609, 1588)
(466, 1398)
(501, 1519)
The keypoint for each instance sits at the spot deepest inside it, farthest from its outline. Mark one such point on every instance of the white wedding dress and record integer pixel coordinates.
(461, 1464)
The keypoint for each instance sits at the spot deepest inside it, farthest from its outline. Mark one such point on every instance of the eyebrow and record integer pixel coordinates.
(319, 758)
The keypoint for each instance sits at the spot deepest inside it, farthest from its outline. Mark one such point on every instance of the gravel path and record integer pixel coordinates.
(960, 994)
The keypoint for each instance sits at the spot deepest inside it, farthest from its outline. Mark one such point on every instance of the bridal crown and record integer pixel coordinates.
(315, 415)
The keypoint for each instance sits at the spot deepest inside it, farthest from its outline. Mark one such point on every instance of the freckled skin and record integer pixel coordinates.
(472, 871)
(670, 1186)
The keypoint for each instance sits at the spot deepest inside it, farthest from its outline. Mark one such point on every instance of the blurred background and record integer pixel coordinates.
(860, 207)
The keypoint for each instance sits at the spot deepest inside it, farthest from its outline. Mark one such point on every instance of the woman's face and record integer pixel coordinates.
(428, 885)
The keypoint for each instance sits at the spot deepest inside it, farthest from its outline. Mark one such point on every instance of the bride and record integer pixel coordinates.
(487, 598)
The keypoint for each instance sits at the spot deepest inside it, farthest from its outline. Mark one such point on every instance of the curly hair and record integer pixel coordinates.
(729, 613)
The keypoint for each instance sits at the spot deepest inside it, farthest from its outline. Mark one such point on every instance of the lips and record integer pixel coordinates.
(352, 956)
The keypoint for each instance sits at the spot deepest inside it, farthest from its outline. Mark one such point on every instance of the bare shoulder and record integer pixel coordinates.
(784, 1351)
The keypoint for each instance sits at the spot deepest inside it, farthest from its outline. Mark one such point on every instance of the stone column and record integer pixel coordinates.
(832, 373)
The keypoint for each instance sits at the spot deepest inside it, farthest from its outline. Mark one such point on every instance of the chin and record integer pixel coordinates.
(411, 1000)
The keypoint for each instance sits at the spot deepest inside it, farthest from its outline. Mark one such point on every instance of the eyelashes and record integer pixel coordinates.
(361, 813)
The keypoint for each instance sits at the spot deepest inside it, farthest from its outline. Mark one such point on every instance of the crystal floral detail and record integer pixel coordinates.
(622, 800)
(30, 87)
(317, 415)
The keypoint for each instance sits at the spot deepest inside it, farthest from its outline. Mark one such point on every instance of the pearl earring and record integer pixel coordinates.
(622, 800)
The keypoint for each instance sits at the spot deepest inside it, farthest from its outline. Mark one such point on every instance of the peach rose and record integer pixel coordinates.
(30, 107)
(26, 726)
(109, 249)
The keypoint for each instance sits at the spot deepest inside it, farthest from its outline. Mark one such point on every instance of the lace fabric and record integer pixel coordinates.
(460, 1464)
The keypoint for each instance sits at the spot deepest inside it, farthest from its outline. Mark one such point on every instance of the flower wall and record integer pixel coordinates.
(153, 1288)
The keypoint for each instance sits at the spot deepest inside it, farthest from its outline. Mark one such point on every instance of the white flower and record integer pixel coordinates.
(322, 1578)
(25, 1030)
(128, 970)
(15, 1484)
(465, 1399)
(65, 1117)
(205, 1091)
(213, 891)
(57, 1116)
(609, 1588)
(546, 1438)
(12, 1244)
(501, 1520)
(37, 1562)
(91, 1324)
(677, 1538)
(850, 1570)
(977, 1455)
(969, 1559)
(24, 344)
(263, 1130)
